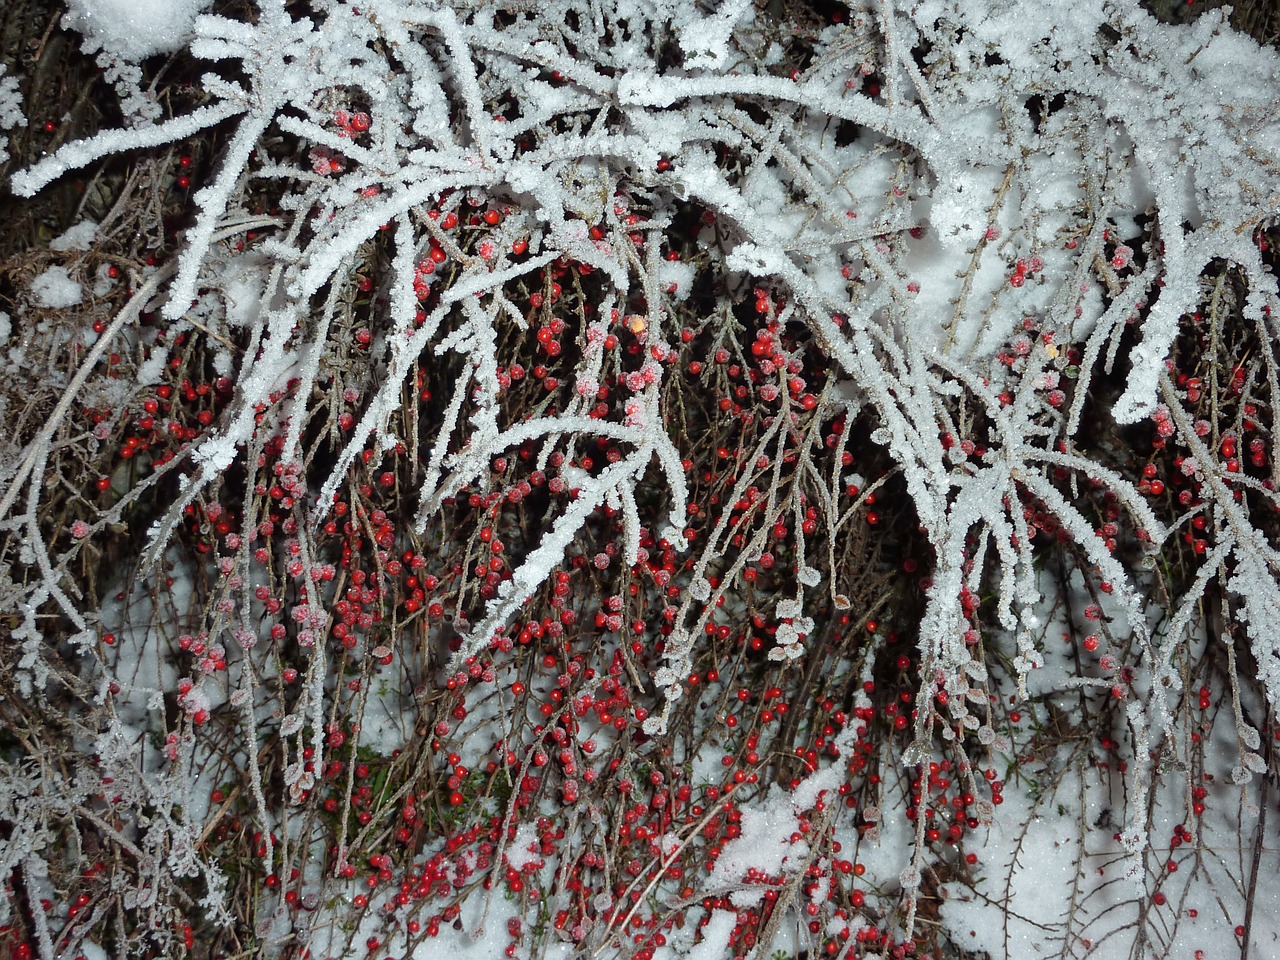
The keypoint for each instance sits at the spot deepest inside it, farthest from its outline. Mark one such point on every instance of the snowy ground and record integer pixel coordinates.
(1050, 877)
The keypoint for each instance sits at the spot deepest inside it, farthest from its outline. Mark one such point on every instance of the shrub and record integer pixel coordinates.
(639, 459)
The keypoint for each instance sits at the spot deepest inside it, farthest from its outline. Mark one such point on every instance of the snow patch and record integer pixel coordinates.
(56, 290)
(135, 29)
(78, 237)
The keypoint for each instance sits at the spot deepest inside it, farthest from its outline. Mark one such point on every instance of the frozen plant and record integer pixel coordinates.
(966, 234)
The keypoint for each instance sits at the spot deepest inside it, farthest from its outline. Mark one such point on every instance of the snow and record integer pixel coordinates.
(1035, 872)
(705, 40)
(519, 854)
(55, 289)
(78, 237)
(135, 29)
(763, 845)
(242, 281)
(715, 937)
(1052, 886)
(150, 369)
